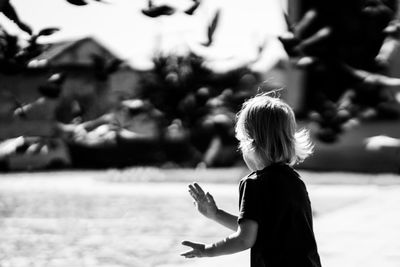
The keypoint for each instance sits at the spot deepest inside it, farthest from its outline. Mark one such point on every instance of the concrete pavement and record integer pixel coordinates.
(364, 234)
(357, 219)
(360, 229)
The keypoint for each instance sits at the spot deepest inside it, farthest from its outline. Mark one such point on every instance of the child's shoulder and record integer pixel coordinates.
(251, 178)
(277, 172)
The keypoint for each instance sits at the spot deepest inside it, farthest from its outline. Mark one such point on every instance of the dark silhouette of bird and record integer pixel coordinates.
(154, 11)
(298, 42)
(346, 46)
(80, 2)
(9, 11)
(211, 29)
(193, 7)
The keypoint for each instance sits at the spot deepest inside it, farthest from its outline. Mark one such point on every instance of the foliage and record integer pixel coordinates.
(178, 83)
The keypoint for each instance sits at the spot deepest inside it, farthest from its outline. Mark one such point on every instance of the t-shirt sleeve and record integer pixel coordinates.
(249, 201)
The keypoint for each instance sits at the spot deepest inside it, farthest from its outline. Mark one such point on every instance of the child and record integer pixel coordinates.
(275, 218)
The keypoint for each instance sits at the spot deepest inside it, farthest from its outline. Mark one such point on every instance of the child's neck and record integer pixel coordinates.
(261, 165)
(254, 163)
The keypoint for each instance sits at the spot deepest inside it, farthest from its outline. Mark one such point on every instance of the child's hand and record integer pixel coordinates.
(196, 251)
(204, 201)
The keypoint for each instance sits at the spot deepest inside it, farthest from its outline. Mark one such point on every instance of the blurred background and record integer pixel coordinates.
(108, 108)
(95, 84)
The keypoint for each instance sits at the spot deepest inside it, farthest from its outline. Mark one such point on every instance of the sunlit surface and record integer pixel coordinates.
(114, 218)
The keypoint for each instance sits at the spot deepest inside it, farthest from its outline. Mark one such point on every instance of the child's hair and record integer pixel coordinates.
(267, 125)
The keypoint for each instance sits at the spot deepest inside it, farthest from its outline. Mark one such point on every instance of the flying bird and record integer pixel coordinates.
(154, 11)
(80, 2)
(9, 11)
(193, 7)
(211, 29)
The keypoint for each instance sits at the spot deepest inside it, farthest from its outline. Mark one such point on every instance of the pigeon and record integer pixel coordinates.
(193, 8)
(8, 10)
(154, 11)
(211, 29)
(80, 2)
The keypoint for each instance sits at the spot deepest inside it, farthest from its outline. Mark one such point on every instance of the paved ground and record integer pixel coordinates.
(364, 233)
(359, 225)
(357, 219)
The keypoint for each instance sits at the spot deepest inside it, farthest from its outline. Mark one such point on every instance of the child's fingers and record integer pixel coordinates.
(199, 189)
(188, 243)
(193, 195)
(188, 254)
(210, 198)
(192, 244)
(193, 189)
(195, 251)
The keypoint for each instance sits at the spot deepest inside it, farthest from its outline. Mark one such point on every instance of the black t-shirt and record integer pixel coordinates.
(278, 201)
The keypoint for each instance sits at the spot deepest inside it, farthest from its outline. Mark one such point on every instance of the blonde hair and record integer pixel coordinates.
(267, 125)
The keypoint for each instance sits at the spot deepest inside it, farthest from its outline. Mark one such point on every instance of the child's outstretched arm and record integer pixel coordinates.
(206, 205)
(244, 238)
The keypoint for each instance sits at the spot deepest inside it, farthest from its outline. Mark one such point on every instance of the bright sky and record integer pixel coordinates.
(119, 25)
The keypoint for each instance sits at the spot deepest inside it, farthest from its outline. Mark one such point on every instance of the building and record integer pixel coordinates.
(88, 88)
